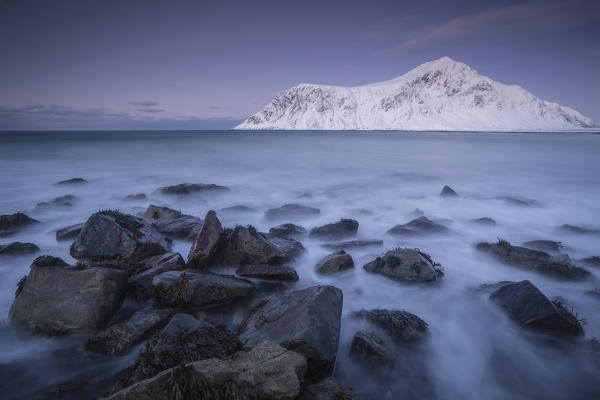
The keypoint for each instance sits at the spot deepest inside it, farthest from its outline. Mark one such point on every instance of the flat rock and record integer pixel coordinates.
(205, 241)
(72, 181)
(237, 210)
(354, 244)
(447, 191)
(486, 221)
(336, 230)
(18, 248)
(337, 261)
(521, 201)
(370, 350)
(579, 229)
(288, 230)
(406, 265)
(69, 232)
(191, 188)
(291, 211)
(400, 325)
(593, 261)
(269, 272)
(136, 197)
(244, 245)
(14, 223)
(139, 285)
(549, 246)
(417, 227)
(65, 201)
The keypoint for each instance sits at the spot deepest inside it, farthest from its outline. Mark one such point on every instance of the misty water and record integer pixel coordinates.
(472, 350)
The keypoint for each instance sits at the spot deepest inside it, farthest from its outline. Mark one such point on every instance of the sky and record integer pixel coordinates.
(80, 64)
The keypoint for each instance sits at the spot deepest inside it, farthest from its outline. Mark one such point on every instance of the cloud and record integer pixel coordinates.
(142, 103)
(151, 110)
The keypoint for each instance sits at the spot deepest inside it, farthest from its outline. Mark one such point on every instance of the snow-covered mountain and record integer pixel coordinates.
(438, 95)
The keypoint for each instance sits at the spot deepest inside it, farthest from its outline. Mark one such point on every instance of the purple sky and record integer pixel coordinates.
(201, 65)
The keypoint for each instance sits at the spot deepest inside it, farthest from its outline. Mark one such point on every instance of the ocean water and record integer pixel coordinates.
(378, 178)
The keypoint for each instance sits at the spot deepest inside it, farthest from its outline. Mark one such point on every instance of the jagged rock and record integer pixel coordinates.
(139, 285)
(534, 260)
(354, 244)
(291, 211)
(335, 262)
(288, 231)
(121, 336)
(549, 246)
(484, 221)
(242, 245)
(55, 298)
(189, 188)
(205, 241)
(530, 308)
(13, 223)
(579, 229)
(447, 191)
(110, 238)
(72, 181)
(136, 197)
(306, 321)
(401, 325)
(405, 265)
(371, 350)
(190, 289)
(327, 389)
(18, 248)
(269, 272)
(69, 232)
(418, 226)
(291, 248)
(173, 223)
(65, 201)
(336, 230)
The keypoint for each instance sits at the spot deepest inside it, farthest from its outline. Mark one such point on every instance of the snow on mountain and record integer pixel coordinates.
(439, 95)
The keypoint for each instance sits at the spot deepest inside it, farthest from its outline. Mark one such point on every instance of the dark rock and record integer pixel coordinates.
(354, 244)
(335, 262)
(336, 230)
(173, 223)
(492, 287)
(447, 191)
(136, 197)
(370, 350)
(530, 308)
(69, 232)
(593, 261)
(18, 248)
(183, 324)
(269, 272)
(58, 299)
(119, 337)
(65, 201)
(534, 260)
(290, 248)
(139, 285)
(288, 231)
(72, 181)
(157, 214)
(205, 241)
(13, 223)
(242, 245)
(521, 202)
(327, 389)
(418, 226)
(291, 211)
(400, 325)
(484, 221)
(190, 289)
(593, 292)
(110, 238)
(306, 321)
(237, 210)
(579, 229)
(405, 265)
(189, 188)
(549, 246)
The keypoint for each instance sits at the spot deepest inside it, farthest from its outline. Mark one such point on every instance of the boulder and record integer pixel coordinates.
(290, 248)
(291, 211)
(288, 230)
(268, 272)
(72, 181)
(18, 248)
(205, 241)
(327, 389)
(157, 214)
(354, 244)
(417, 227)
(337, 261)
(405, 265)
(13, 223)
(486, 221)
(55, 298)
(534, 260)
(579, 229)
(183, 324)
(306, 321)
(69, 232)
(110, 238)
(371, 350)
(400, 325)
(191, 289)
(244, 245)
(549, 246)
(173, 223)
(530, 308)
(447, 191)
(65, 201)
(191, 188)
(336, 230)
(139, 285)
(136, 197)
(120, 337)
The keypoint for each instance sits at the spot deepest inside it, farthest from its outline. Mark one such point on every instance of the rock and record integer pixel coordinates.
(139, 286)
(110, 238)
(417, 212)
(173, 223)
(400, 325)
(205, 241)
(447, 191)
(157, 214)
(492, 287)
(327, 389)
(136, 197)
(579, 229)
(268, 371)
(189, 188)
(119, 337)
(269, 272)
(290, 248)
(18, 248)
(237, 210)
(335, 262)
(534, 260)
(69, 232)
(354, 244)
(484, 221)
(242, 245)
(370, 350)
(336, 230)
(405, 265)
(72, 181)
(527, 306)
(306, 321)
(593, 261)
(55, 298)
(549, 246)
(183, 324)
(418, 226)
(190, 289)
(291, 211)
(287, 231)
(65, 201)
(521, 202)
(13, 223)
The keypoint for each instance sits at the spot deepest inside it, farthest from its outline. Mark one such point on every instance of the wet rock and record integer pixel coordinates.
(447, 191)
(530, 308)
(205, 241)
(136, 197)
(13, 223)
(354, 244)
(244, 245)
(400, 325)
(405, 265)
(306, 321)
(173, 223)
(157, 214)
(18, 248)
(190, 289)
(288, 230)
(335, 262)
(55, 298)
(120, 337)
(291, 211)
(336, 230)
(549, 246)
(65, 201)
(270, 272)
(370, 350)
(139, 285)
(191, 188)
(183, 324)
(534, 260)
(417, 227)
(578, 229)
(110, 238)
(69, 232)
(484, 221)
(237, 210)
(327, 389)
(72, 181)
(593, 261)
(290, 248)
